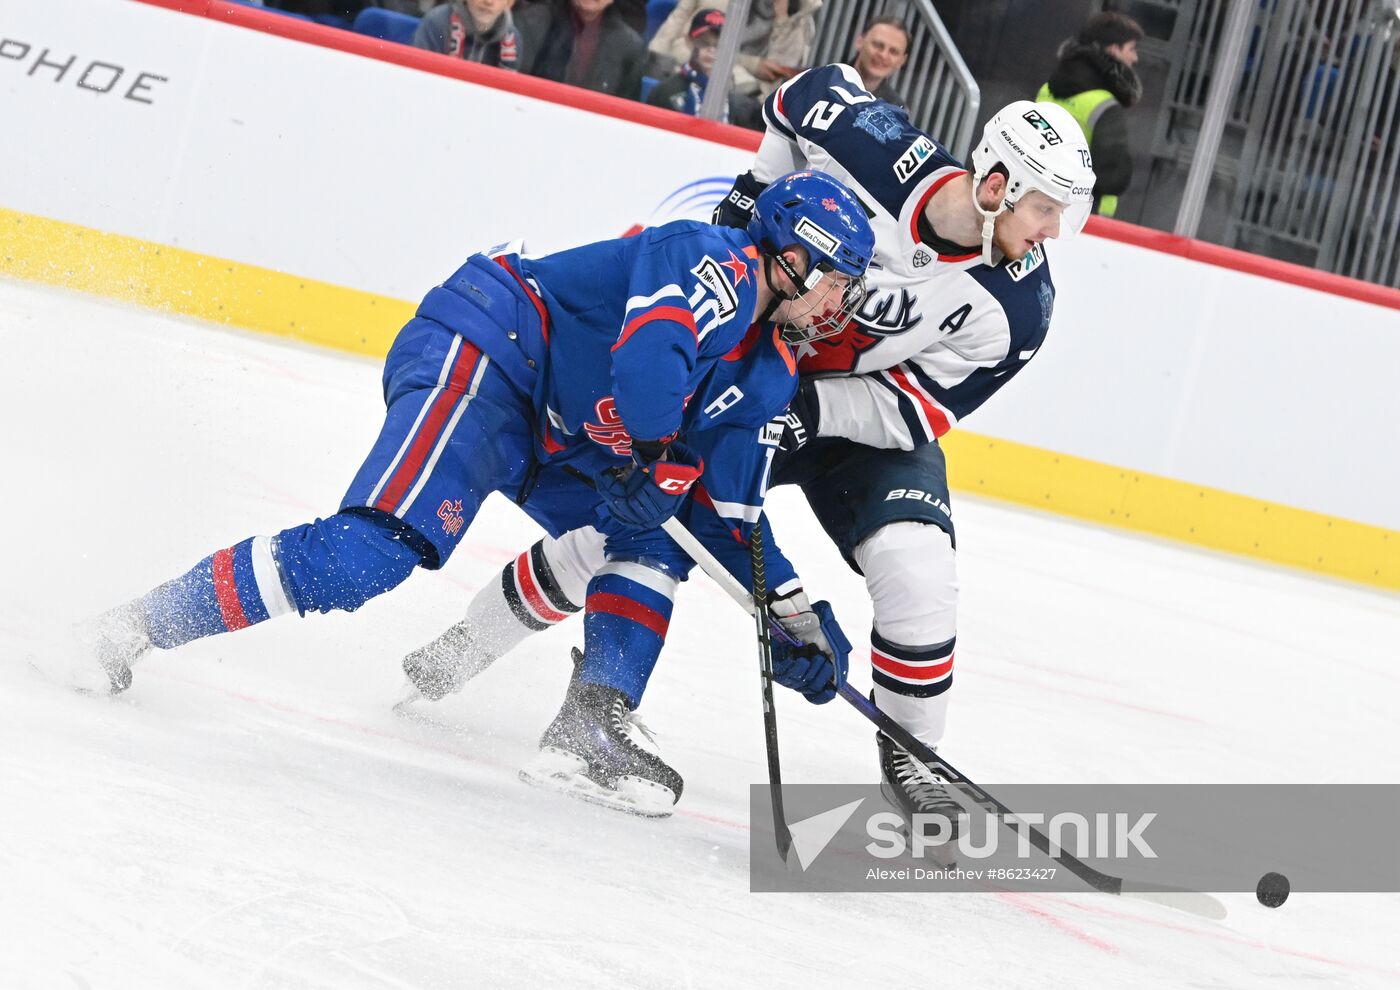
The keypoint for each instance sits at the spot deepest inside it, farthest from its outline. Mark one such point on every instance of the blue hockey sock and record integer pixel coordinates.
(227, 590)
(335, 563)
(628, 610)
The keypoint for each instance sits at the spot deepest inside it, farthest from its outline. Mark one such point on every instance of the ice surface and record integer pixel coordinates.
(251, 814)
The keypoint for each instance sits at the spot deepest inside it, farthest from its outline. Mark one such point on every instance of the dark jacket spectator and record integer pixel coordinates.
(583, 43)
(684, 90)
(1094, 80)
(473, 30)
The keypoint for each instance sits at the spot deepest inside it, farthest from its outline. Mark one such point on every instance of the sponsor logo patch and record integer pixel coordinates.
(722, 301)
(815, 236)
(914, 156)
(1051, 136)
(1034, 258)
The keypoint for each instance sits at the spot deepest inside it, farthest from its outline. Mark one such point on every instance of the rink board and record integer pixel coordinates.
(1197, 400)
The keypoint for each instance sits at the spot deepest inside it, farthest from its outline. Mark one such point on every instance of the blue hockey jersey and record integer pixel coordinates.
(644, 337)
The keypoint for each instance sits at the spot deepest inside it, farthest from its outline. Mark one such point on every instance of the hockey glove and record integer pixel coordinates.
(800, 422)
(736, 209)
(645, 496)
(816, 667)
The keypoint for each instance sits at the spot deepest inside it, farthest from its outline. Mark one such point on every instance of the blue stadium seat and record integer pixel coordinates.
(648, 84)
(389, 25)
(276, 10)
(657, 12)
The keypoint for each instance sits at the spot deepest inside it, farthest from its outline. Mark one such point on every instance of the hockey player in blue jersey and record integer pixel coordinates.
(960, 300)
(594, 386)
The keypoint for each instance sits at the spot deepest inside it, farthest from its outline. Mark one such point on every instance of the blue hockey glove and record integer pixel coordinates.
(816, 667)
(736, 209)
(801, 421)
(647, 495)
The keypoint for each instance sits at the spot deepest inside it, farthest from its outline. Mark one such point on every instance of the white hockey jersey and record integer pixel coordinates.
(938, 332)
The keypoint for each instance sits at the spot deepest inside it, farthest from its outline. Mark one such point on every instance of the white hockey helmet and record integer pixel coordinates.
(1041, 147)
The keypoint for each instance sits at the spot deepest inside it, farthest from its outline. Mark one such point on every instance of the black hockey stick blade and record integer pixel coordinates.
(1190, 901)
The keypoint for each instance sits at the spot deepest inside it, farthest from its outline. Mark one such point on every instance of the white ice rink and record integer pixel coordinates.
(251, 814)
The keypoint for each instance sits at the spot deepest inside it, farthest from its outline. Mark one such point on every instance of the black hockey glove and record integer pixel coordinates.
(736, 209)
(816, 666)
(802, 419)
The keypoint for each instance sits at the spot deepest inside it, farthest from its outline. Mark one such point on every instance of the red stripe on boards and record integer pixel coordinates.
(430, 430)
(607, 603)
(226, 592)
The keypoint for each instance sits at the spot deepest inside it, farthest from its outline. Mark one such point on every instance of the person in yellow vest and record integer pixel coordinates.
(1094, 80)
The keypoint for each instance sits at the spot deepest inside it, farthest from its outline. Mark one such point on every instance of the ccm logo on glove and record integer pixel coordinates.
(675, 479)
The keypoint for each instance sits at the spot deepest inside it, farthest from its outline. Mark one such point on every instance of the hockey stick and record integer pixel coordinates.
(782, 835)
(1185, 900)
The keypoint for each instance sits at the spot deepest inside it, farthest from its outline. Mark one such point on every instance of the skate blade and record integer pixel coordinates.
(86, 683)
(407, 697)
(564, 773)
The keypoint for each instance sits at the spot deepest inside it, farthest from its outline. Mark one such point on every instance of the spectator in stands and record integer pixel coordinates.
(473, 30)
(1094, 80)
(882, 48)
(583, 43)
(777, 41)
(415, 8)
(684, 90)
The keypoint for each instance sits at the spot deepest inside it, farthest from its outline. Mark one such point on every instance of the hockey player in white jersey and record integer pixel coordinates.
(960, 299)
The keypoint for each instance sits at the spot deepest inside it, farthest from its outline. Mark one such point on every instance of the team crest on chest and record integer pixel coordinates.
(880, 122)
(887, 314)
(1046, 294)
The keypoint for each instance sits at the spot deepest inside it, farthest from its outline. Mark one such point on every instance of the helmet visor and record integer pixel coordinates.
(824, 307)
(1074, 218)
(1046, 208)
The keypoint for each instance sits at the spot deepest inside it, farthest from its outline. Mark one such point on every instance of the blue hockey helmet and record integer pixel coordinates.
(819, 214)
(814, 210)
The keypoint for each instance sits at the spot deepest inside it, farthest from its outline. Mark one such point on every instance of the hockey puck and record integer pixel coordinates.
(1272, 890)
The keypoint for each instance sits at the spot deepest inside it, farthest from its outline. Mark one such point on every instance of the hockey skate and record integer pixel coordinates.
(911, 789)
(116, 639)
(444, 665)
(597, 750)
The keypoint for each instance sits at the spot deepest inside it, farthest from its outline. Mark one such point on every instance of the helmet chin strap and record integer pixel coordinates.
(779, 297)
(989, 219)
